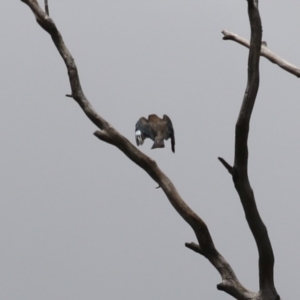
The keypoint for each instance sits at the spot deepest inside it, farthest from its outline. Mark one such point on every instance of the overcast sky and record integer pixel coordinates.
(78, 219)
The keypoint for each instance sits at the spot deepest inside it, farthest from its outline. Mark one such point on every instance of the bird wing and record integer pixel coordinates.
(143, 130)
(170, 131)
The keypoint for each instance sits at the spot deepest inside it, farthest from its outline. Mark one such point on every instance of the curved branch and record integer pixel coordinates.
(265, 52)
(241, 180)
(107, 133)
(77, 93)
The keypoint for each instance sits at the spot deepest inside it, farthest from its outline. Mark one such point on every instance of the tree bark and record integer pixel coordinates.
(239, 170)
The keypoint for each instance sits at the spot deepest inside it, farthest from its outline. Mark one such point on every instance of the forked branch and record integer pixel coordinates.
(241, 180)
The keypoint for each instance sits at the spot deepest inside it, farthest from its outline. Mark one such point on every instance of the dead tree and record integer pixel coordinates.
(239, 171)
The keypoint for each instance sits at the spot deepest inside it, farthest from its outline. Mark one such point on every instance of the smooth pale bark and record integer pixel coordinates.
(265, 52)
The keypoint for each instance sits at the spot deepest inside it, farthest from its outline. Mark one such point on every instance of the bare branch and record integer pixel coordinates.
(265, 52)
(46, 7)
(226, 165)
(195, 247)
(241, 181)
(77, 93)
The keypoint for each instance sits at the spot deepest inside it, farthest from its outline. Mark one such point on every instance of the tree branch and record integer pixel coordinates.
(46, 7)
(195, 247)
(241, 181)
(265, 52)
(77, 93)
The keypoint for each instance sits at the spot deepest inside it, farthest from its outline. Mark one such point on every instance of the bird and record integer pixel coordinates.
(156, 129)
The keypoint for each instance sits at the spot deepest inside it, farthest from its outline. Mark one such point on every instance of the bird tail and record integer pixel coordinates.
(173, 143)
(158, 143)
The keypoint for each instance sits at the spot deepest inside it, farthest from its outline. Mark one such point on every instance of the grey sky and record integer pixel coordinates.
(78, 219)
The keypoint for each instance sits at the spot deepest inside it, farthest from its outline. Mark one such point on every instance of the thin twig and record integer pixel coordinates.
(228, 167)
(195, 247)
(46, 7)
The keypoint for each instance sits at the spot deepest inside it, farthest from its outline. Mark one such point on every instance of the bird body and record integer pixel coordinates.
(156, 129)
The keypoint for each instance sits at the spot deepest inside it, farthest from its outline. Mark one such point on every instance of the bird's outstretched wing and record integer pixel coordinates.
(170, 131)
(143, 130)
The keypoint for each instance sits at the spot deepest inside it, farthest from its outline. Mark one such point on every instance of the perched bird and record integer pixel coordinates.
(156, 129)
